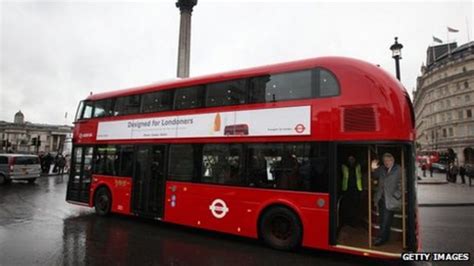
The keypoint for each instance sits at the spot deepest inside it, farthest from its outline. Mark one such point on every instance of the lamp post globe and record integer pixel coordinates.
(397, 55)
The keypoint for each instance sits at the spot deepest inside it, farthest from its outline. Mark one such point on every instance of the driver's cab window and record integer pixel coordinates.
(88, 109)
(79, 110)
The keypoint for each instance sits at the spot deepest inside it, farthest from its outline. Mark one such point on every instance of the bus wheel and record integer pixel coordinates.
(281, 228)
(32, 180)
(102, 201)
(3, 180)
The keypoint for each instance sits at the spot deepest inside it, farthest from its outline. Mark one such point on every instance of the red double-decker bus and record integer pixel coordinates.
(255, 153)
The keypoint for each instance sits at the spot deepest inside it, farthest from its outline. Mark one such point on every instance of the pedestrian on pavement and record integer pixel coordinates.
(56, 161)
(61, 164)
(423, 167)
(388, 197)
(462, 173)
(41, 158)
(67, 166)
(430, 166)
(48, 160)
(452, 169)
(351, 191)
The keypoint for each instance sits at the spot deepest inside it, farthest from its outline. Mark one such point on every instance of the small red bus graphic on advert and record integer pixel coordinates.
(299, 128)
(236, 130)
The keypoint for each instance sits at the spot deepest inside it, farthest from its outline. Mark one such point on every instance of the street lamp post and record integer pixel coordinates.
(397, 55)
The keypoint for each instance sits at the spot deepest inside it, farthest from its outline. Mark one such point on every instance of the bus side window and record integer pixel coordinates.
(187, 98)
(222, 164)
(291, 166)
(279, 87)
(319, 165)
(181, 162)
(106, 160)
(157, 101)
(127, 105)
(103, 108)
(226, 93)
(126, 161)
(326, 83)
(258, 166)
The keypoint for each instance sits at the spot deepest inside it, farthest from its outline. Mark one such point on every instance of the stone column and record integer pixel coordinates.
(184, 45)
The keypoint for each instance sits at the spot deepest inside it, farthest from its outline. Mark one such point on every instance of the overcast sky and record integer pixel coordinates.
(53, 54)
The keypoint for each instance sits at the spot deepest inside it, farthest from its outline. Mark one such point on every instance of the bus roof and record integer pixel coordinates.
(324, 62)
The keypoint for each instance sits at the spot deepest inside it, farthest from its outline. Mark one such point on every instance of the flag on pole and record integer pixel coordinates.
(452, 30)
(438, 40)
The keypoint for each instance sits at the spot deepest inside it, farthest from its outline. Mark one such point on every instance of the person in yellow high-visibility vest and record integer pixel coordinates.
(351, 187)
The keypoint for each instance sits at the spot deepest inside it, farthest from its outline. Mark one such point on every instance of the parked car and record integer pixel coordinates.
(440, 167)
(19, 167)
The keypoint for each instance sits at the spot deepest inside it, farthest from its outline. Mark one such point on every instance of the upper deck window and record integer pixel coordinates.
(226, 93)
(187, 98)
(293, 85)
(286, 86)
(127, 105)
(303, 84)
(88, 108)
(328, 85)
(157, 101)
(103, 108)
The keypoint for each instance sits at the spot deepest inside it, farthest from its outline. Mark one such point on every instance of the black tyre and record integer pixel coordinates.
(31, 181)
(102, 201)
(3, 180)
(280, 228)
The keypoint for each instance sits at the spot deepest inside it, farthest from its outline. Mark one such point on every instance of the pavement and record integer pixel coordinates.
(437, 192)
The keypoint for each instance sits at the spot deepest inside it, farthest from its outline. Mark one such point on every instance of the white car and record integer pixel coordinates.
(19, 167)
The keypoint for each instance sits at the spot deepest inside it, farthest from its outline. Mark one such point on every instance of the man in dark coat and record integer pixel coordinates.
(48, 160)
(388, 197)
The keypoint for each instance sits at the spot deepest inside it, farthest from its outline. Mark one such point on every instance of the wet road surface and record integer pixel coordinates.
(38, 227)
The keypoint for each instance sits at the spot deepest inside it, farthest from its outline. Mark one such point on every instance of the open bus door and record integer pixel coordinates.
(358, 216)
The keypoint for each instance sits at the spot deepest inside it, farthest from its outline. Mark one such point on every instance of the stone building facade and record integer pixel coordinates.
(444, 99)
(20, 136)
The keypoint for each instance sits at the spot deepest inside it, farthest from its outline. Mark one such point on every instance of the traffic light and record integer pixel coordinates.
(36, 141)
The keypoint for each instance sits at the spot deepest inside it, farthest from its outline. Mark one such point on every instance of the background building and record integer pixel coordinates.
(22, 137)
(444, 99)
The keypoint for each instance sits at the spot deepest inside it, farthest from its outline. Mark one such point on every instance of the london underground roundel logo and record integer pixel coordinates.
(299, 128)
(218, 208)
